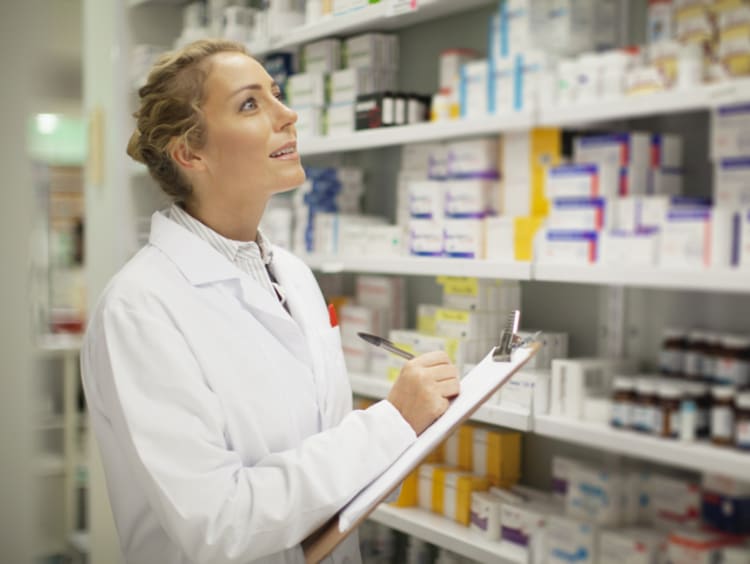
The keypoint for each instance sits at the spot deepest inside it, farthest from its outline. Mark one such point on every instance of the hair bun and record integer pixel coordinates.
(134, 147)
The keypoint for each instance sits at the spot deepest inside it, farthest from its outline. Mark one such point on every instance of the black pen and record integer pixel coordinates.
(386, 344)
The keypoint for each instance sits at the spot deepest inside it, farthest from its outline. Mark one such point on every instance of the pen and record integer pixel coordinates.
(386, 344)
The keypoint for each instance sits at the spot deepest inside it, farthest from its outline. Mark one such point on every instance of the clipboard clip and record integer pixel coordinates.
(509, 339)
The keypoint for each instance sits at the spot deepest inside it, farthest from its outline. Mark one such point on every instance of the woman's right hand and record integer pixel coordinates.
(423, 388)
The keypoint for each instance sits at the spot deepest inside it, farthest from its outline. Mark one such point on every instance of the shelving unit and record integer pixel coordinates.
(693, 456)
(421, 266)
(378, 388)
(444, 532)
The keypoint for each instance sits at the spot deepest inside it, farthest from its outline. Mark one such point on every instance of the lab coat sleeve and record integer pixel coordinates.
(171, 432)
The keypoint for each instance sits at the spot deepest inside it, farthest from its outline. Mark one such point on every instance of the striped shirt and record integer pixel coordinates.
(252, 257)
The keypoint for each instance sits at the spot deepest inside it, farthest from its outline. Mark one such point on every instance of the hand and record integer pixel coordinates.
(423, 388)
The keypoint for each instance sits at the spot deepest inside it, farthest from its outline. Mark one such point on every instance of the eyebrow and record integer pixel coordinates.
(256, 86)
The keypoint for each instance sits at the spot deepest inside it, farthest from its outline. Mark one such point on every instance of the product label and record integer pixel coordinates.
(674, 424)
(693, 364)
(657, 421)
(622, 414)
(733, 371)
(722, 421)
(670, 361)
(743, 434)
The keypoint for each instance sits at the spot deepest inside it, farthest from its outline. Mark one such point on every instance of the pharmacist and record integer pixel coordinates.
(215, 381)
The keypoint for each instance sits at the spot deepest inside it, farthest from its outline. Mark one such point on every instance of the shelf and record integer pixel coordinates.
(374, 387)
(373, 17)
(417, 133)
(447, 534)
(629, 107)
(646, 277)
(421, 266)
(694, 456)
(53, 423)
(49, 465)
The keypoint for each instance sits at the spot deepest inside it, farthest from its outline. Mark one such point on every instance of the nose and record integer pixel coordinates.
(286, 116)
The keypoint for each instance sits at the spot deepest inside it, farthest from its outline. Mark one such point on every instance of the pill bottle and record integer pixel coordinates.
(733, 364)
(693, 357)
(623, 400)
(645, 410)
(722, 415)
(672, 353)
(670, 399)
(712, 351)
(742, 420)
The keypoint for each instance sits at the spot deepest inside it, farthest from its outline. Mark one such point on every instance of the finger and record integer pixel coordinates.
(449, 388)
(433, 358)
(443, 372)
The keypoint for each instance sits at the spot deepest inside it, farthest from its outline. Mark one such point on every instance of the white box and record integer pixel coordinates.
(469, 198)
(464, 238)
(424, 488)
(503, 76)
(427, 200)
(725, 237)
(743, 252)
(569, 247)
(616, 151)
(630, 546)
(695, 547)
(527, 390)
(322, 56)
(385, 241)
(485, 515)
(310, 122)
(473, 89)
(562, 470)
(729, 131)
(732, 182)
(347, 84)
(577, 181)
(304, 90)
(385, 293)
(425, 237)
(373, 50)
(475, 158)
(341, 119)
(666, 151)
(524, 525)
(419, 156)
(500, 238)
(595, 496)
(535, 80)
(569, 540)
(685, 238)
(449, 71)
(574, 379)
(619, 248)
(578, 214)
(674, 503)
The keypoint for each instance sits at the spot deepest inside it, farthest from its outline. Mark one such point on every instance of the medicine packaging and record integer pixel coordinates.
(637, 248)
(464, 238)
(473, 158)
(527, 390)
(725, 504)
(595, 495)
(730, 131)
(496, 455)
(576, 180)
(564, 246)
(631, 546)
(673, 503)
(500, 238)
(456, 496)
(732, 182)
(474, 88)
(427, 199)
(426, 237)
(574, 379)
(322, 56)
(685, 238)
(570, 541)
(373, 50)
(307, 89)
(485, 515)
(579, 214)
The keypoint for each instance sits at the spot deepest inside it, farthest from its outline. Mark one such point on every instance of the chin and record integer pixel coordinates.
(291, 181)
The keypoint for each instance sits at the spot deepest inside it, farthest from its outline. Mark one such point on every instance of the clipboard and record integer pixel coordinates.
(476, 387)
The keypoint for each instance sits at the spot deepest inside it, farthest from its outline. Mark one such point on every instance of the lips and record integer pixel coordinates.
(287, 149)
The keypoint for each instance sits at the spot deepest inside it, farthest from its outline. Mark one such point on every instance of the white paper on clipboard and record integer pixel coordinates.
(475, 386)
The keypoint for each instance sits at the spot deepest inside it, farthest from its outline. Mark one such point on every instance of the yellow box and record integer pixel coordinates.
(408, 495)
(425, 483)
(438, 488)
(457, 495)
(458, 448)
(437, 455)
(546, 151)
(525, 230)
(497, 455)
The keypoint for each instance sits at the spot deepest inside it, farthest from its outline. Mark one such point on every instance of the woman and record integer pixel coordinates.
(215, 382)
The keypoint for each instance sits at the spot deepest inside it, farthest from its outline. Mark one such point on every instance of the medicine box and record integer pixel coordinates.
(347, 84)
(566, 246)
(340, 119)
(576, 180)
(503, 76)
(459, 448)
(674, 503)
(523, 524)
(427, 199)
(595, 495)
(527, 390)
(696, 547)
(729, 131)
(425, 485)
(562, 471)
(732, 182)
(457, 495)
(384, 241)
(578, 214)
(464, 238)
(310, 122)
(473, 158)
(685, 238)
(426, 318)
(307, 90)
(449, 71)
(425, 237)
(570, 540)
(496, 455)
(407, 497)
(726, 504)
(322, 56)
(500, 238)
(473, 89)
(639, 248)
(664, 181)
(373, 50)
(469, 198)
(574, 379)
(485, 515)
(630, 546)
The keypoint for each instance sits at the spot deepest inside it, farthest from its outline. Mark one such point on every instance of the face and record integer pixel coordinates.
(250, 146)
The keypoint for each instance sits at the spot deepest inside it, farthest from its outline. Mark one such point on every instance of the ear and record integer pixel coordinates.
(184, 156)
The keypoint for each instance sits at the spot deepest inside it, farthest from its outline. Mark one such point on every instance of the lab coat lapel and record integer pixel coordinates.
(202, 265)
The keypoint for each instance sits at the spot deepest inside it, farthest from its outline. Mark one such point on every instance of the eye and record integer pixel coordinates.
(249, 104)
(279, 95)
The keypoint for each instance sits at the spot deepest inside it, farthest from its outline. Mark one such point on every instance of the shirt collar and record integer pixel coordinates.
(227, 247)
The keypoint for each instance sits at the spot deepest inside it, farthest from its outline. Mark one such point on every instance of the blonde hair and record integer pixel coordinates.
(170, 107)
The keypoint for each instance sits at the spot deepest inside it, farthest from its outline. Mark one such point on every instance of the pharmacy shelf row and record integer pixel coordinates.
(445, 533)
(698, 98)
(698, 456)
(383, 16)
(709, 280)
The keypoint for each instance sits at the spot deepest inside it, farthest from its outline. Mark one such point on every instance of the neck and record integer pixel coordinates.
(239, 223)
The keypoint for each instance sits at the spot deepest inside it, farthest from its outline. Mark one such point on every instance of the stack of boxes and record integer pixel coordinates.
(447, 213)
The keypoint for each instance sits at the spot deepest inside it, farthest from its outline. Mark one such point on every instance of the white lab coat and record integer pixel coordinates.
(224, 424)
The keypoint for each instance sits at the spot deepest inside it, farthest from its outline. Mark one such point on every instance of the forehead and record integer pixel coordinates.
(230, 71)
